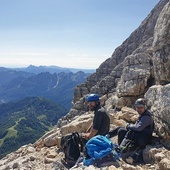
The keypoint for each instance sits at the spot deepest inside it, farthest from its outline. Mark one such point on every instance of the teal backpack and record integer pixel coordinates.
(100, 149)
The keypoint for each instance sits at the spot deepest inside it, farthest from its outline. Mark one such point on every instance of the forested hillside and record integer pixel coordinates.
(25, 121)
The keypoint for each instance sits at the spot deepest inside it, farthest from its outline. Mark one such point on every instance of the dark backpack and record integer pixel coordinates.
(72, 146)
(128, 143)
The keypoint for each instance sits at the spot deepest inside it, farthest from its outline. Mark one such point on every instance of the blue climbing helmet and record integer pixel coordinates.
(92, 98)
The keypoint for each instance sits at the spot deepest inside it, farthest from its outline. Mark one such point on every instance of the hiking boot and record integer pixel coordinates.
(132, 159)
(135, 158)
(129, 160)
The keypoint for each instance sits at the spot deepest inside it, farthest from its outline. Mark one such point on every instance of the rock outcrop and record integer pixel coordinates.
(140, 67)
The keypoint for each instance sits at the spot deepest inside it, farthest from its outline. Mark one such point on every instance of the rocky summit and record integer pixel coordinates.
(140, 67)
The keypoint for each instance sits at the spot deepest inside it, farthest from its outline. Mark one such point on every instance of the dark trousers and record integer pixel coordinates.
(138, 137)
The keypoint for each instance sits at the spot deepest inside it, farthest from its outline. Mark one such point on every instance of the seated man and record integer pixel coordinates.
(74, 143)
(141, 131)
(101, 120)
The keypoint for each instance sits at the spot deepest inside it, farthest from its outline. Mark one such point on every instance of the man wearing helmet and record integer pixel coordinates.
(141, 131)
(101, 120)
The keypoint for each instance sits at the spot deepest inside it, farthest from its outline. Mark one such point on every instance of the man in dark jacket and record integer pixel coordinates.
(101, 120)
(141, 131)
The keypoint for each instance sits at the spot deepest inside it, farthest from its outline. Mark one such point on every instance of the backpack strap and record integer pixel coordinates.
(77, 140)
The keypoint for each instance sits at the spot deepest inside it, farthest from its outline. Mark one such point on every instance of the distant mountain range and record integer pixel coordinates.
(40, 81)
(52, 69)
(25, 121)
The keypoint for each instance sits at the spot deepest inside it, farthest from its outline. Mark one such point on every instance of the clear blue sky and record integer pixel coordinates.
(66, 33)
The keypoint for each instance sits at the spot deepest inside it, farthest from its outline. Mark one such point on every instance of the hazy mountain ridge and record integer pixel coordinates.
(58, 87)
(52, 69)
(7, 75)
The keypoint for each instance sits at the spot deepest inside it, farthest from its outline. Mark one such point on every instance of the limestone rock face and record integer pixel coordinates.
(158, 98)
(161, 46)
(137, 72)
(106, 77)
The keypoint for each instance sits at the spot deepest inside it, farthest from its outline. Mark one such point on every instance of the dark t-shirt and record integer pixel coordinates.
(101, 121)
